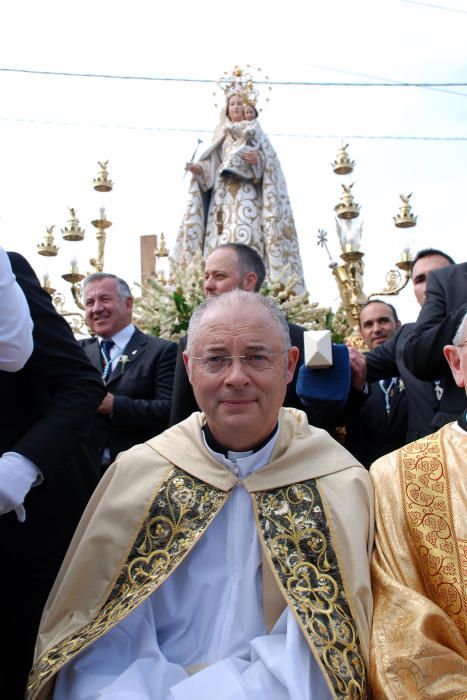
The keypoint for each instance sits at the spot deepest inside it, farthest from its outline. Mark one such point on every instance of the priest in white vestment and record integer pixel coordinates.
(227, 558)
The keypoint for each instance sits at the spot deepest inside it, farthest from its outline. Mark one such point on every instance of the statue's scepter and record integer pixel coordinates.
(194, 154)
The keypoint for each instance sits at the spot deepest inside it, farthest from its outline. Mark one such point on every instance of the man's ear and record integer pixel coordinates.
(292, 360)
(398, 325)
(452, 355)
(249, 282)
(186, 362)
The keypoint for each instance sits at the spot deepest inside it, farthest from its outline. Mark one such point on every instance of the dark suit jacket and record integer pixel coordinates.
(370, 431)
(183, 399)
(142, 389)
(46, 411)
(444, 308)
(387, 360)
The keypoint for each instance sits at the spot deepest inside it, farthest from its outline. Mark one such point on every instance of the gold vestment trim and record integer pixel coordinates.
(298, 543)
(293, 524)
(182, 509)
(427, 504)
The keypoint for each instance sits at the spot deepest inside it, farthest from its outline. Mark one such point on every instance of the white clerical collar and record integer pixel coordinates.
(244, 463)
(122, 337)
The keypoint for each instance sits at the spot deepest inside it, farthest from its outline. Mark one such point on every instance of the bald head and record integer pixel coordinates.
(239, 362)
(241, 298)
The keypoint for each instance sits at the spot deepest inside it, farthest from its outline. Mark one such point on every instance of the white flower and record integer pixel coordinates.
(123, 359)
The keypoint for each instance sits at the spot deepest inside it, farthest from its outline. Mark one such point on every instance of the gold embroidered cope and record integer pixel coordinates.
(293, 527)
(426, 498)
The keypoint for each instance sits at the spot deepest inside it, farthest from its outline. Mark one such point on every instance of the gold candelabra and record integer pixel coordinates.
(73, 232)
(161, 254)
(349, 274)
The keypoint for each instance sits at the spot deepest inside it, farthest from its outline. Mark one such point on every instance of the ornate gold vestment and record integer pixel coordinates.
(170, 510)
(419, 568)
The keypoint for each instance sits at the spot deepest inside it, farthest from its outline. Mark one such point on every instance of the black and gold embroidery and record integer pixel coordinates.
(178, 516)
(293, 523)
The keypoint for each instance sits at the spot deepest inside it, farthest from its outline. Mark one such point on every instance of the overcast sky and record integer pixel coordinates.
(54, 129)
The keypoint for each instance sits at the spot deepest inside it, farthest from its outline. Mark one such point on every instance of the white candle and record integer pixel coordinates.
(74, 266)
(102, 213)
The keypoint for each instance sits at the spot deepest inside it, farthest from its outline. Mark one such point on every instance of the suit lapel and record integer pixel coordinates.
(132, 351)
(93, 351)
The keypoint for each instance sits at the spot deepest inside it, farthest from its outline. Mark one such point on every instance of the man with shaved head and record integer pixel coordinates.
(230, 554)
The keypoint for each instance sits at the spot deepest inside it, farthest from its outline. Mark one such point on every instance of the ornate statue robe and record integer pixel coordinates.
(419, 640)
(255, 212)
(313, 507)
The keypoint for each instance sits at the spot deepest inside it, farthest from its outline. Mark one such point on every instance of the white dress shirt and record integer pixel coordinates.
(16, 342)
(17, 473)
(121, 340)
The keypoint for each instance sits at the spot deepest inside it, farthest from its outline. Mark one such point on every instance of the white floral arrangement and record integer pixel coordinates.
(164, 308)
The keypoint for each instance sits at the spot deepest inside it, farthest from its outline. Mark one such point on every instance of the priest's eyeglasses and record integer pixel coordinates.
(255, 360)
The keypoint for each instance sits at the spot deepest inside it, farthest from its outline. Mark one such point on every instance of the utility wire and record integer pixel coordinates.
(176, 130)
(298, 83)
(436, 7)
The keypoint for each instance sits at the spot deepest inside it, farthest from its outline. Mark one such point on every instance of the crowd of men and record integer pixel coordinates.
(233, 554)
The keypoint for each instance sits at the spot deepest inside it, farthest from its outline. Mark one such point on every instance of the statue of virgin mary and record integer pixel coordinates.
(238, 193)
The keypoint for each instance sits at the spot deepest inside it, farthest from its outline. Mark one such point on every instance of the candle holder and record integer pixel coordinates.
(73, 232)
(50, 290)
(161, 254)
(73, 277)
(349, 275)
(102, 182)
(101, 224)
(342, 164)
(48, 247)
(405, 218)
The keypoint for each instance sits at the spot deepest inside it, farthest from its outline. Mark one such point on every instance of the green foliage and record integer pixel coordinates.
(164, 309)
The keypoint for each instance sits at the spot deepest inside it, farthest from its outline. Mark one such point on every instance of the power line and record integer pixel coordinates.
(163, 129)
(298, 83)
(436, 7)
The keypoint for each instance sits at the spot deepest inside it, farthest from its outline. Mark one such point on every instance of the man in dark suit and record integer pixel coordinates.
(136, 368)
(46, 472)
(387, 360)
(229, 266)
(376, 417)
(444, 308)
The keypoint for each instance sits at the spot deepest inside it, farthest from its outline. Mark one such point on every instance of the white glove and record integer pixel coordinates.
(17, 475)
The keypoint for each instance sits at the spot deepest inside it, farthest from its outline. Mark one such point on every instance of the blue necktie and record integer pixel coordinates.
(106, 346)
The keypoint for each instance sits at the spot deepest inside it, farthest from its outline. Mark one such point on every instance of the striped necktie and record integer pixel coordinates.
(106, 346)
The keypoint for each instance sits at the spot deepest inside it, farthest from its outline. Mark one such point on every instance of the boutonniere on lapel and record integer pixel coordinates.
(401, 386)
(123, 359)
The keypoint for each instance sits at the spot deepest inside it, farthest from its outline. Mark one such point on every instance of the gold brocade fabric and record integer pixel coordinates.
(428, 509)
(294, 527)
(298, 545)
(419, 649)
(177, 518)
